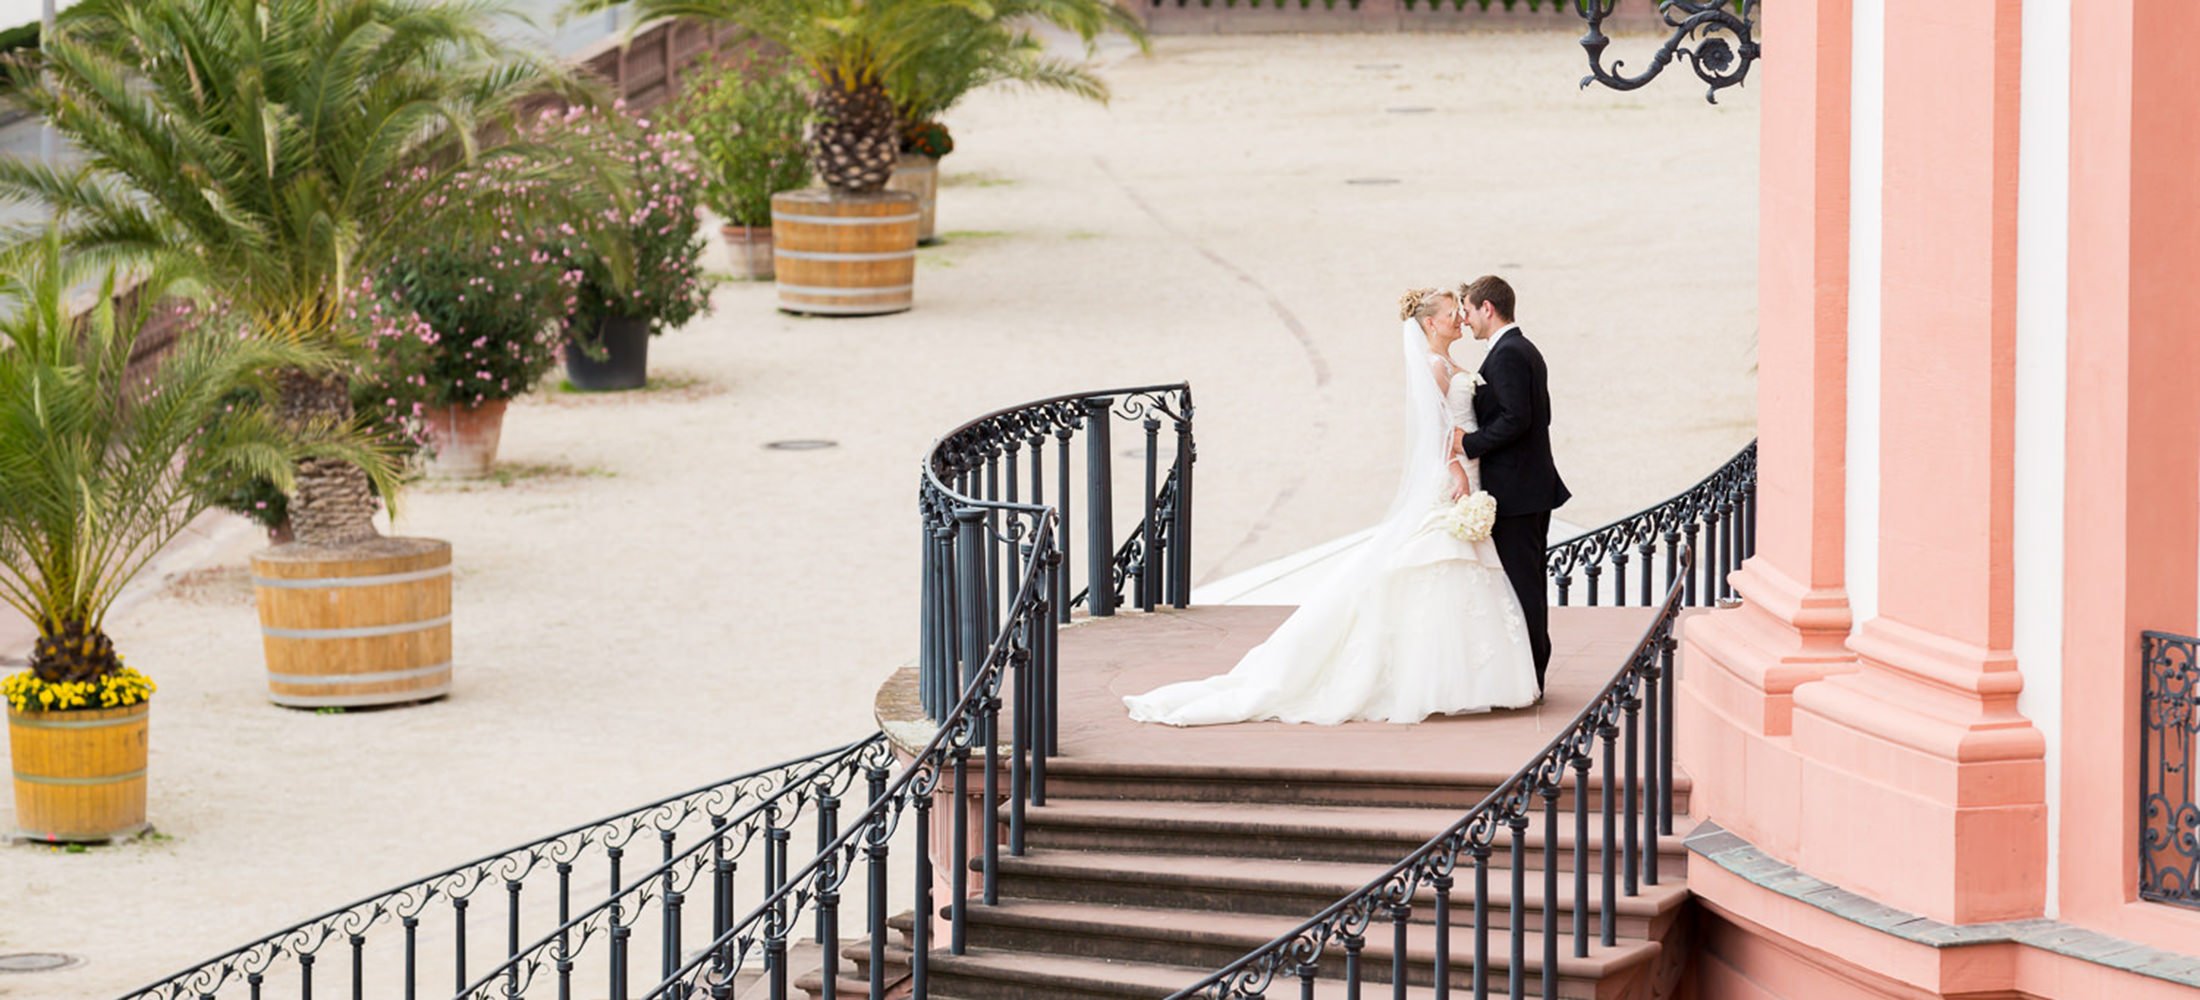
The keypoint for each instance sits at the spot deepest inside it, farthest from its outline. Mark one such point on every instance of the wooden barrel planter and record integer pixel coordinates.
(361, 625)
(79, 775)
(919, 175)
(845, 255)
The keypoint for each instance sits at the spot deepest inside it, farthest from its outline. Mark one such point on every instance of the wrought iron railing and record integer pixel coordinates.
(1716, 518)
(1613, 725)
(998, 463)
(2169, 783)
(537, 880)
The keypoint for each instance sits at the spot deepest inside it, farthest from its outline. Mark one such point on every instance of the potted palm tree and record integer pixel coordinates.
(995, 46)
(851, 249)
(747, 125)
(98, 470)
(275, 149)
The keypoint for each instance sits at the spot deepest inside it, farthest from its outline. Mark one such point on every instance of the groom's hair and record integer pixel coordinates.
(1491, 289)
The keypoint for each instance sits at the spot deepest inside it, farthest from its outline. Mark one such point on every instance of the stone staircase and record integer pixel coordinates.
(1140, 879)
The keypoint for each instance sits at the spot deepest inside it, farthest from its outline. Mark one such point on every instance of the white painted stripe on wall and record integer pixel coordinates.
(2043, 356)
(1867, 127)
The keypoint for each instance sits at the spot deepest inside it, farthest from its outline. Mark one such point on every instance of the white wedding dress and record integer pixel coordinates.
(1416, 623)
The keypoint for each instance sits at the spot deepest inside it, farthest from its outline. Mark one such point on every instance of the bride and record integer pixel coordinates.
(1416, 622)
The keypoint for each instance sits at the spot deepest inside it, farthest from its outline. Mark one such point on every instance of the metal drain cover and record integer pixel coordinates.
(1412, 109)
(802, 444)
(1371, 181)
(1376, 66)
(36, 961)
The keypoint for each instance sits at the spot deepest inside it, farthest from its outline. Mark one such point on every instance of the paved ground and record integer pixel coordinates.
(650, 599)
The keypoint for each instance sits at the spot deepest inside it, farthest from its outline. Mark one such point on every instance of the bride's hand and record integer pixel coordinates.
(1458, 483)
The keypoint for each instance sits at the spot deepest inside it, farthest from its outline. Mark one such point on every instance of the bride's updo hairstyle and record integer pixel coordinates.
(1421, 303)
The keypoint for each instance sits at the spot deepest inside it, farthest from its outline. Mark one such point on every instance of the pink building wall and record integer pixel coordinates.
(1888, 756)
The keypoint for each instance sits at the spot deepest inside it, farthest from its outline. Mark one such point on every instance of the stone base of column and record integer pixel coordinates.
(1926, 788)
(1739, 669)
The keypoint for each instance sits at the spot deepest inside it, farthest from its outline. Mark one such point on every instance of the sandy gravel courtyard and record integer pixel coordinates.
(648, 598)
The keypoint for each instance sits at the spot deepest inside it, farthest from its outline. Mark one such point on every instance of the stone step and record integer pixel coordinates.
(1369, 835)
(1301, 888)
(1214, 939)
(853, 969)
(1090, 778)
(986, 974)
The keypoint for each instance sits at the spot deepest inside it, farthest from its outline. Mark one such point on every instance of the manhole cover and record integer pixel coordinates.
(1411, 109)
(1376, 66)
(802, 444)
(36, 961)
(1370, 181)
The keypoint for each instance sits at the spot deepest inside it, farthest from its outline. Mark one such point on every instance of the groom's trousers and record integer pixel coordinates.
(1521, 540)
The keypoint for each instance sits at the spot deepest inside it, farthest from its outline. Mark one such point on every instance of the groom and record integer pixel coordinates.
(1513, 409)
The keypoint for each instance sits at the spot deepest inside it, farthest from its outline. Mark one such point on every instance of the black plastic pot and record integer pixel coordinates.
(624, 342)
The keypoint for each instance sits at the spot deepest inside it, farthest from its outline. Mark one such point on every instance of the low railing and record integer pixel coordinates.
(1716, 519)
(537, 880)
(1611, 727)
(2169, 783)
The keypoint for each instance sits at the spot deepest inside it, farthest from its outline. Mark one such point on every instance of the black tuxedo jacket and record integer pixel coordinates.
(1513, 409)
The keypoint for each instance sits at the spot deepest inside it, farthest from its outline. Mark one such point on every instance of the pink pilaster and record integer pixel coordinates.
(1741, 667)
(2134, 444)
(1927, 787)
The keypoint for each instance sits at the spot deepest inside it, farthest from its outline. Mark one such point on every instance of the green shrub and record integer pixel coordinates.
(747, 128)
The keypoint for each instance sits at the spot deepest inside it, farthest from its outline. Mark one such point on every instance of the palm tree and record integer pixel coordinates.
(862, 53)
(277, 150)
(997, 48)
(99, 469)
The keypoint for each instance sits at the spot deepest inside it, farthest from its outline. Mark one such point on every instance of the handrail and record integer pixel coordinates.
(303, 940)
(1298, 952)
(978, 636)
(1721, 505)
(667, 883)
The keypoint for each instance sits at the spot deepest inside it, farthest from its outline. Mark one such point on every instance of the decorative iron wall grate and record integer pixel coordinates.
(2169, 816)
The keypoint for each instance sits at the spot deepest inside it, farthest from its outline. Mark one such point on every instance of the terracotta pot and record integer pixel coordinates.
(465, 438)
(752, 250)
(919, 175)
(79, 775)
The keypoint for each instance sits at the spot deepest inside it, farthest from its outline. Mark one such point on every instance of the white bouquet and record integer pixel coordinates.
(1471, 516)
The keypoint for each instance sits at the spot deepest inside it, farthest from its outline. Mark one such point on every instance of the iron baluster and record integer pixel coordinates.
(1353, 942)
(959, 875)
(875, 850)
(670, 960)
(1481, 852)
(1019, 744)
(305, 977)
(1058, 570)
(1442, 884)
(928, 631)
(458, 930)
(1652, 786)
(1550, 792)
(511, 928)
(777, 924)
(1648, 551)
(1400, 913)
(1100, 513)
(411, 926)
(619, 934)
(1580, 764)
(1516, 916)
(1062, 519)
(1607, 867)
(828, 823)
(1307, 971)
(1689, 571)
(358, 967)
(1619, 575)
(1565, 583)
(1630, 707)
(1593, 571)
(1180, 535)
(995, 558)
(1665, 738)
(1149, 559)
(971, 545)
(920, 933)
(828, 924)
(989, 816)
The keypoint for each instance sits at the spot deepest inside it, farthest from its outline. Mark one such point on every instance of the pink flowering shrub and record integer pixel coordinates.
(657, 274)
(493, 300)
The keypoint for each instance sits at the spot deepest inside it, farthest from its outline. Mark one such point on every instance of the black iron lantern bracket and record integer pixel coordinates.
(1715, 39)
